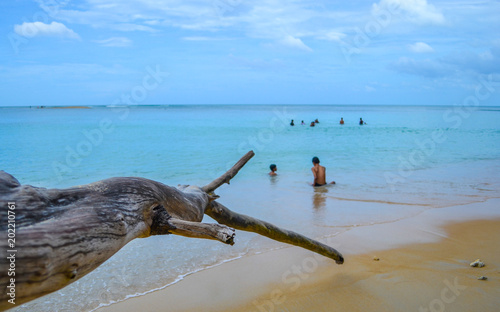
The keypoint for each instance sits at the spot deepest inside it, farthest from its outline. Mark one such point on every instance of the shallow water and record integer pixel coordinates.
(403, 161)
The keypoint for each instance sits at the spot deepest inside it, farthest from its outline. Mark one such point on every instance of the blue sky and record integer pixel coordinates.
(101, 52)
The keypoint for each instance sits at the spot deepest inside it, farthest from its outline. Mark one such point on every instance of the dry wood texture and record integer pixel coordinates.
(63, 234)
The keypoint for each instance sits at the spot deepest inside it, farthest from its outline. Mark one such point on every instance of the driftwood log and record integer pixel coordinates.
(63, 234)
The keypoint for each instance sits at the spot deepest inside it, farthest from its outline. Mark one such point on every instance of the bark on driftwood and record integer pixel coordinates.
(63, 234)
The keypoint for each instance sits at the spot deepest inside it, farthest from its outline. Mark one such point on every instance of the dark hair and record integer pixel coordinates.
(273, 166)
(315, 160)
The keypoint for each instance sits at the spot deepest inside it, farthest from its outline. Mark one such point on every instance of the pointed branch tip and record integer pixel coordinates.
(226, 177)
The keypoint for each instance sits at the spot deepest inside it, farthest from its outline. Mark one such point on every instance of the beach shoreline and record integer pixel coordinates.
(403, 265)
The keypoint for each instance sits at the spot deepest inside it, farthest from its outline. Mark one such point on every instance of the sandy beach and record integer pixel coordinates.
(415, 264)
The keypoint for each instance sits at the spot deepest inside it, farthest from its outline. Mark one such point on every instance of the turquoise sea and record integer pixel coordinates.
(404, 160)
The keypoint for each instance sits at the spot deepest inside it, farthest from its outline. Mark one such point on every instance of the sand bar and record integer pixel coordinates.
(423, 265)
(68, 107)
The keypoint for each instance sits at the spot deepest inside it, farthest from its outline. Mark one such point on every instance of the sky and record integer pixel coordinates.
(109, 52)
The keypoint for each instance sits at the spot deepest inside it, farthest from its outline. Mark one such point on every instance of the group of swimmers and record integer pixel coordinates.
(313, 123)
(319, 172)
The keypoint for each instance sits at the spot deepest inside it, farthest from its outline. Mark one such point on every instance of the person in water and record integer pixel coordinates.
(316, 121)
(312, 124)
(273, 170)
(291, 123)
(341, 120)
(319, 173)
(302, 123)
(361, 122)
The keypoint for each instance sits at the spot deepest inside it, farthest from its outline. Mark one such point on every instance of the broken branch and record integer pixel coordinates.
(223, 215)
(226, 177)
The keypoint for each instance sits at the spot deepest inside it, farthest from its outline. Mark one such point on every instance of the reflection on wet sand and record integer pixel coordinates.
(319, 197)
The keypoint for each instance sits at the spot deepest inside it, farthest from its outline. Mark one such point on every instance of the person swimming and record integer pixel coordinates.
(341, 120)
(273, 170)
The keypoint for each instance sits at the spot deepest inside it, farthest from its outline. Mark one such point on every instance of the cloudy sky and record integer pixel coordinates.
(101, 52)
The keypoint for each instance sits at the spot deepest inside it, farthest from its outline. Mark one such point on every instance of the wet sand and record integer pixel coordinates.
(416, 264)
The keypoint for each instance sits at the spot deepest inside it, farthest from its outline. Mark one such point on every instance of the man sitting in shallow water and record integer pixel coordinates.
(319, 173)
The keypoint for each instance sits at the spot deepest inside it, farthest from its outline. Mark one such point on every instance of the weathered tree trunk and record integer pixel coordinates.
(61, 235)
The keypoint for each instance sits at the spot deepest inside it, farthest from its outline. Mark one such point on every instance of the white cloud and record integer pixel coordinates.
(270, 19)
(132, 27)
(332, 36)
(117, 17)
(420, 47)
(139, 15)
(459, 63)
(204, 38)
(30, 30)
(417, 11)
(199, 38)
(370, 89)
(296, 43)
(115, 42)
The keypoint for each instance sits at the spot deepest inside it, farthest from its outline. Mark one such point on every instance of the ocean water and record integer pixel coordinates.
(405, 160)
